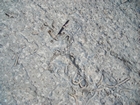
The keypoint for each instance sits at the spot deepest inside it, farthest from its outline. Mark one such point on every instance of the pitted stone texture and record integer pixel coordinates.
(95, 60)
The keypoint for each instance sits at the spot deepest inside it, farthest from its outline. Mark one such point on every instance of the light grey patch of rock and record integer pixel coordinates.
(1, 45)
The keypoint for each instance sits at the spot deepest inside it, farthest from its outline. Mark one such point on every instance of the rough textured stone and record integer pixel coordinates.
(95, 58)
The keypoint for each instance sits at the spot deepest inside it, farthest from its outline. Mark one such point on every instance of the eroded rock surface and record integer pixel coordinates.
(93, 60)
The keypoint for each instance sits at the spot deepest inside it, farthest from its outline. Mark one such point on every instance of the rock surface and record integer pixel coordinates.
(94, 60)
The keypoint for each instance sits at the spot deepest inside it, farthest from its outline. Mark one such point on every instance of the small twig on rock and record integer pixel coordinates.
(63, 27)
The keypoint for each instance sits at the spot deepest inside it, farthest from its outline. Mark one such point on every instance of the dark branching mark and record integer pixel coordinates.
(72, 58)
(63, 27)
(126, 62)
(55, 37)
(41, 8)
(9, 15)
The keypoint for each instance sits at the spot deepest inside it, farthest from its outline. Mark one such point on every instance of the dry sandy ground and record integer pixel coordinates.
(93, 59)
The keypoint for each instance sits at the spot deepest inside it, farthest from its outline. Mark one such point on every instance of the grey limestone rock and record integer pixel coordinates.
(69, 52)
